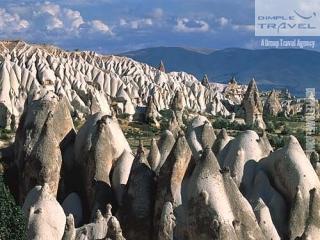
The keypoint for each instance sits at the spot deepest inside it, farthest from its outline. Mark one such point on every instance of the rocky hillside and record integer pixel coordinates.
(91, 82)
(192, 184)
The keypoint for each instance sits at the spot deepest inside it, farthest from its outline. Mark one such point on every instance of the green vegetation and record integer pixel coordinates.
(12, 222)
(5, 134)
(166, 115)
(221, 122)
(276, 141)
(278, 129)
(136, 131)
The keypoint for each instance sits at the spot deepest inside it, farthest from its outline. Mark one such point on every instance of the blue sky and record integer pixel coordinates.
(112, 26)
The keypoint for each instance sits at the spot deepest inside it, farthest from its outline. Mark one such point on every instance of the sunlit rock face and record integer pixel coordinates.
(46, 218)
(180, 190)
(104, 159)
(39, 144)
(272, 106)
(253, 106)
(92, 83)
(191, 184)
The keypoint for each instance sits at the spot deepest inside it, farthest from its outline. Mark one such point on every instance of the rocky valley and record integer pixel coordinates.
(105, 147)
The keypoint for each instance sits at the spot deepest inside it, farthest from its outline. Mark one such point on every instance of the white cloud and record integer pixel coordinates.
(223, 21)
(12, 22)
(49, 20)
(247, 28)
(54, 23)
(50, 8)
(23, 24)
(188, 26)
(99, 26)
(123, 22)
(73, 18)
(136, 23)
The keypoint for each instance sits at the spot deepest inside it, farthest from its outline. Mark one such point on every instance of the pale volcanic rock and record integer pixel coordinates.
(178, 106)
(167, 223)
(154, 155)
(234, 92)
(216, 208)
(177, 190)
(137, 209)
(221, 141)
(165, 145)
(294, 177)
(161, 67)
(239, 154)
(174, 124)
(205, 81)
(264, 219)
(312, 229)
(169, 183)
(37, 143)
(276, 203)
(272, 105)
(90, 82)
(253, 106)
(200, 134)
(103, 227)
(99, 147)
(46, 218)
(215, 107)
(152, 113)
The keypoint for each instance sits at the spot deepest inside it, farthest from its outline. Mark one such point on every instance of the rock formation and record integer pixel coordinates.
(152, 113)
(205, 81)
(216, 208)
(161, 67)
(190, 185)
(104, 158)
(253, 106)
(200, 134)
(272, 105)
(239, 154)
(234, 92)
(294, 177)
(38, 143)
(103, 227)
(89, 81)
(249, 192)
(169, 184)
(136, 215)
(178, 105)
(46, 219)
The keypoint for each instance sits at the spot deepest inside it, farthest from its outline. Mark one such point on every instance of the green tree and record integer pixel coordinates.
(12, 221)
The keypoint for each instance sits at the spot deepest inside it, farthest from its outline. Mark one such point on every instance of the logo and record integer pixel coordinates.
(287, 17)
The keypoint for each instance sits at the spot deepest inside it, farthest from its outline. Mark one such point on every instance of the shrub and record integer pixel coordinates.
(271, 126)
(277, 141)
(12, 221)
(287, 130)
(220, 123)
(4, 134)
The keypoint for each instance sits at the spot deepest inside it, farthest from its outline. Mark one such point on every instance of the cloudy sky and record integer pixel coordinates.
(112, 26)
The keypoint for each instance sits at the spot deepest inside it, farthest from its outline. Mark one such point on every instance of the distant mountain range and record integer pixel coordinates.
(295, 69)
